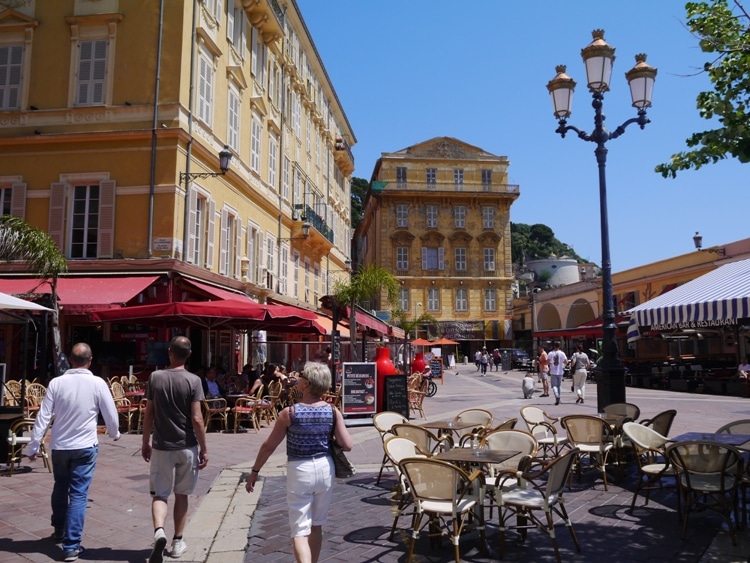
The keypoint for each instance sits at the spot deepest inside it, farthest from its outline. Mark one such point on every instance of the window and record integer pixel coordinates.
(295, 274)
(430, 177)
(5, 198)
(254, 254)
(237, 27)
(255, 144)
(85, 221)
(433, 258)
(403, 299)
(92, 72)
(11, 70)
(233, 119)
(284, 266)
(402, 258)
(259, 60)
(215, 8)
(458, 179)
(490, 300)
(459, 216)
(431, 216)
(229, 244)
(316, 278)
(296, 115)
(401, 177)
(270, 253)
(307, 279)
(285, 178)
(205, 87)
(459, 256)
(273, 144)
(488, 217)
(402, 216)
(433, 300)
(308, 135)
(489, 259)
(198, 228)
(462, 303)
(486, 180)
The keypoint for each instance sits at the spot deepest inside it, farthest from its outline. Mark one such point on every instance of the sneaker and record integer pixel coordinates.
(557, 401)
(178, 548)
(160, 542)
(58, 534)
(73, 554)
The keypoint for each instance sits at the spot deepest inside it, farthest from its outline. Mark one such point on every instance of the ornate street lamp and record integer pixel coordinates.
(598, 58)
(225, 157)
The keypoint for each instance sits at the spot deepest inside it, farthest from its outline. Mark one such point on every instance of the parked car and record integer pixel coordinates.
(519, 359)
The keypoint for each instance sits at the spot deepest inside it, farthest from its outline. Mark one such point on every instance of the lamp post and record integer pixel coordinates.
(598, 58)
(416, 328)
(225, 157)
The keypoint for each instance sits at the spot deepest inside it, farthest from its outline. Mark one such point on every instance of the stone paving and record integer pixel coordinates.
(228, 525)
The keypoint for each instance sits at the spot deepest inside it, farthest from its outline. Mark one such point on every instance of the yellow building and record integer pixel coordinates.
(112, 117)
(438, 217)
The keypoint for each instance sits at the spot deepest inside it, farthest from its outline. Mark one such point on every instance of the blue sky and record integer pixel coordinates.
(410, 70)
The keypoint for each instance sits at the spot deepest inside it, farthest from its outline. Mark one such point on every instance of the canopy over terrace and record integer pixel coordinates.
(718, 296)
(220, 314)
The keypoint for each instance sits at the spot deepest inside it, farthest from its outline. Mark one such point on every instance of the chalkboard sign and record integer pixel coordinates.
(396, 395)
(358, 395)
(436, 368)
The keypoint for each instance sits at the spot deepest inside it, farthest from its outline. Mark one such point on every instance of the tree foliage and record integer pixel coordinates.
(724, 32)
(531, 242)
(359, 192)
(19, 241)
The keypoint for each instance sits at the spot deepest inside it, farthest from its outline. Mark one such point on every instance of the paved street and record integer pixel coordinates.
(228, 525)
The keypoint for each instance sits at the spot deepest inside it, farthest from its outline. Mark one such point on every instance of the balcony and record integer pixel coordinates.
(268, 17)
(465, 187)
(306, 214)
(343, 156)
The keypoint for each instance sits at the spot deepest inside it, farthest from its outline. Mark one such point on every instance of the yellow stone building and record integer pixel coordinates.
(438, 217)
(112, 117)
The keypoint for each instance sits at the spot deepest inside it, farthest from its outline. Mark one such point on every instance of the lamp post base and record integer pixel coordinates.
(610, 386)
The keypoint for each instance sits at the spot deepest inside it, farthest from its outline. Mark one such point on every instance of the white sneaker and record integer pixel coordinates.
(178, 548)
(160, 542)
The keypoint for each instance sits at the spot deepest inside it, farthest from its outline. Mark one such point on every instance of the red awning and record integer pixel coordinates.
(79, 295)
(368, 321)
(217, 292)
(590, 329)
(326, 324)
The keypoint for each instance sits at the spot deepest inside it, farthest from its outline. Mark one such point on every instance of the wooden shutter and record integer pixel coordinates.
(57, 214)
(261, 261)
(441, 258)
(230, 22)
(18, 200)
(192, 203)
(239, 232)
(106, 231)
(211, 235)
(223, 266)
(424, 258)
(92, 72)
(11, 67)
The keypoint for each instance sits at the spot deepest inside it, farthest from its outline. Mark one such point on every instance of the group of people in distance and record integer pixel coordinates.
(174, 444)
(552, 368)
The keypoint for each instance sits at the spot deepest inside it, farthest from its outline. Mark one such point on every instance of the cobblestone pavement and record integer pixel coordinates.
(228, 525)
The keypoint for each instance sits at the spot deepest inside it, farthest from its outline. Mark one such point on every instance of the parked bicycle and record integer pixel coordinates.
(431, 385)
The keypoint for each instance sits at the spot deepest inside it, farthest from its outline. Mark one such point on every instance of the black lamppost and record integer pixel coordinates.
(598, 58)
(225, 157)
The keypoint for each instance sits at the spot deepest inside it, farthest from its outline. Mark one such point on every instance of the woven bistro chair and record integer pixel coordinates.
(17, 442)
(397, 449)
(662, 422)
(544, 428)
(592, 437)
(215, 409)
(651, 457)
(246, 408)
(383, 423)
(427, 442)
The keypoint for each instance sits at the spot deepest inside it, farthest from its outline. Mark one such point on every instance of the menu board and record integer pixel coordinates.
(396, 395)
(358, 395)
(436, 368)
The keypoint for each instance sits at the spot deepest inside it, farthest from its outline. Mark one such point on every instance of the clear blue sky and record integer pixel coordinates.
(410, 70)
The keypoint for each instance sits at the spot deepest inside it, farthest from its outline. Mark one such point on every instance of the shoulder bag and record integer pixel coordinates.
(343, 466)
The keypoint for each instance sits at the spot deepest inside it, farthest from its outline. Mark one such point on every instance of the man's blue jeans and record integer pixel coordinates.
(556, 381)
(73, 471)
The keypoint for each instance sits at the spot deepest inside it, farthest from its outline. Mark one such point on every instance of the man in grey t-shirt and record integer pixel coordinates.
(174, 413)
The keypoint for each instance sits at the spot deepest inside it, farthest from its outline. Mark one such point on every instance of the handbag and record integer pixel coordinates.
(341, 463)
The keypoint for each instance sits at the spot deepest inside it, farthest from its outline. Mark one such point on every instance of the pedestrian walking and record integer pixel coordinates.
(557, 361)
(579, 364)
(307, 427)
(179, 450)
(484, 361)
(544, 371)
(75, 400)
(496, 359)
(478, 359)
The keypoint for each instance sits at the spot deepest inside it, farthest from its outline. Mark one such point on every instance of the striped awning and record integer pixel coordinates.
(720, 295)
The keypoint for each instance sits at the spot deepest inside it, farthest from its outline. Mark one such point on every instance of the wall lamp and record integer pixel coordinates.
(305, 233)
(698, 242)
(225, 157)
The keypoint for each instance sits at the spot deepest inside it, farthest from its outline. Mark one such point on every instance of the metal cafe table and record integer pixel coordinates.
(469, 455)
(448, 426)
(740, 441)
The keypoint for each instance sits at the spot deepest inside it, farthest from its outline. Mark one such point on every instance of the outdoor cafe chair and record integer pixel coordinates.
(427, 442)
(447, 495)
(509, 440)
(416, 392)
(17, 442)
(661, 423)
(477, 417)
(708, 475)
(537, 490)
(245, 408)
(592, 437)
(627, 410)
(35, 393)
(507, 424)
(383, 422)
(544, 429)
(651, 457)
(736, 427)
(397, 449)
(215, 409)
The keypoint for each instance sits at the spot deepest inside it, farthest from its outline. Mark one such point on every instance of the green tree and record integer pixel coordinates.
(724, 33)
(367, 284)
(359, 193)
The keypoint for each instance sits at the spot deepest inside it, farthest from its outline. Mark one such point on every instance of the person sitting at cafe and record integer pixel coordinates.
(211, 386)
(743, 370)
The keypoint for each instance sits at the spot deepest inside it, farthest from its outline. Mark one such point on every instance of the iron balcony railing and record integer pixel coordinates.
(469, 187)
(306, 213)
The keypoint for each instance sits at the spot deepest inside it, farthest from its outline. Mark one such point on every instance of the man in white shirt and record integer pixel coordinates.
(75, 399)
(557, 360)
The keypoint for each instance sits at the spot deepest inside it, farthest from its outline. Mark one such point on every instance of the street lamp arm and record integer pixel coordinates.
(563, 128)
(641, 120)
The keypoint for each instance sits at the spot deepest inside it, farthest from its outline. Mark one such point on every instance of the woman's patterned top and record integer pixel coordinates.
(309, 432)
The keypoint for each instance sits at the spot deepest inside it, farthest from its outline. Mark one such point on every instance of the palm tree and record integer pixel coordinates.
(368, 283)
(20, 242)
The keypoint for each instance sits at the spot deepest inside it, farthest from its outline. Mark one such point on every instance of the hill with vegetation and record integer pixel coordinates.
(534, 242)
